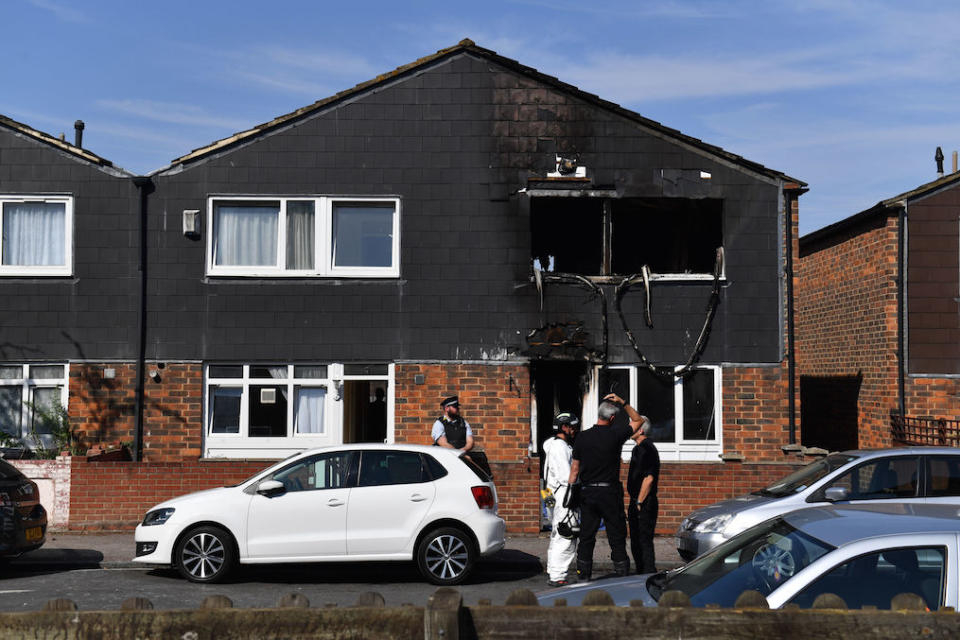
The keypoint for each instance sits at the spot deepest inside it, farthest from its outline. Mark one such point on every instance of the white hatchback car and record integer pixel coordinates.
(347, 503)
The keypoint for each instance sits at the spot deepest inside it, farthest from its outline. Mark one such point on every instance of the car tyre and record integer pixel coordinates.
(205, 554)
(445, 556)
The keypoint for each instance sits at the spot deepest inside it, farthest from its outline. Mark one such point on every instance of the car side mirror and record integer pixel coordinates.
(270, 488)
(836, 494)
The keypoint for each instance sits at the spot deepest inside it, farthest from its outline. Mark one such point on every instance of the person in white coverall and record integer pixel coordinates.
(558, 452)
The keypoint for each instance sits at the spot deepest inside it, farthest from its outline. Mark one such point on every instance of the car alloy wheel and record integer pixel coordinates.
(445, 556)
(205, 555)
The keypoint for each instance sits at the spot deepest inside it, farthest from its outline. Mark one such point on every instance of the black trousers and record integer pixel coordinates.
(602, 503)
(643, 522)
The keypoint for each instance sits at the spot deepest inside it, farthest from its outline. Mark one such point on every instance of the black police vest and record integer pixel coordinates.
(455, 431)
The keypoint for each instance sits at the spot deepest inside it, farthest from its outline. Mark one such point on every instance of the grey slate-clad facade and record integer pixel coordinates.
(456, 140)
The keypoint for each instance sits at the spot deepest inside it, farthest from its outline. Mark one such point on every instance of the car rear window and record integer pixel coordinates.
(8, 471)
(483, 475)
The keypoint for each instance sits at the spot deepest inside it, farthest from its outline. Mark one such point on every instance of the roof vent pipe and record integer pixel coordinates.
(954, 162)
(78, 134)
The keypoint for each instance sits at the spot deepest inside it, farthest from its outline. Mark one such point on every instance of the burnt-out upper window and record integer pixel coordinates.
(618, 236)
(671, 235)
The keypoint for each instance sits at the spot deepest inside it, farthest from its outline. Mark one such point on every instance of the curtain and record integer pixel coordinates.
(34, 233)
(300, 235)
(362, 236)
(309, 410)
(245, 235)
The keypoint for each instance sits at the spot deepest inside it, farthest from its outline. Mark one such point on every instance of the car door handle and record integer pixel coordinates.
(335, 502)
(417, 498)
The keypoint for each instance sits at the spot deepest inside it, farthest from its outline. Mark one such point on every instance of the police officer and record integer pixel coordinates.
(557, 455)
(451, 430)
(642, 483)
(596, 462)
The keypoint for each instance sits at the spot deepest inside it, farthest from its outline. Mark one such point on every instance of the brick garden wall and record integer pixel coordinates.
(685, 487)
(114, 496)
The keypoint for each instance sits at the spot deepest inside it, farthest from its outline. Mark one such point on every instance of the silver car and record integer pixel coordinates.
(866, 554)
(907, 475)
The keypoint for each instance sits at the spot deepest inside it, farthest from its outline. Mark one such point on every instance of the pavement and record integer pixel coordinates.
(116, 551)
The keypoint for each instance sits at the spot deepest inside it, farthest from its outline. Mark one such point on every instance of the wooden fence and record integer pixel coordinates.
(446, 618)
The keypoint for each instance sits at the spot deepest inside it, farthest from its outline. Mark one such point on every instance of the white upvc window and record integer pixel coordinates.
(686, 412)
(303, 236)
(273, 410)
(37, 235)
(27, 391)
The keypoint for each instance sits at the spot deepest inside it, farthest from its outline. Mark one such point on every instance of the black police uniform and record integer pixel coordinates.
(644, 461)
(598, 451)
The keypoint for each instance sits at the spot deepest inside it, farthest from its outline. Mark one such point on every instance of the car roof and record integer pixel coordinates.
(379, 446)
(900, 451)
(843, 524)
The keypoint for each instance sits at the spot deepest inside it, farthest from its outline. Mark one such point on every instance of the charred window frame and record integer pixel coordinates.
(598, 237)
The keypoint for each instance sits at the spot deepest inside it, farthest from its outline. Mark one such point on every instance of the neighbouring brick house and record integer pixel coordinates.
(463, 224)
(878, 328)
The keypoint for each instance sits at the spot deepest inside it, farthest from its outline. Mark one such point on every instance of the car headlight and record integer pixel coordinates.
(716, 524)
(158, 516)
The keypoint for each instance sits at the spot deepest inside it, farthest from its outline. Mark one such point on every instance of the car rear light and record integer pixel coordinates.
(484, 497)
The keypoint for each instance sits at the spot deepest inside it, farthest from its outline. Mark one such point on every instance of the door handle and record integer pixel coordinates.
(417, 498)
(335, 502)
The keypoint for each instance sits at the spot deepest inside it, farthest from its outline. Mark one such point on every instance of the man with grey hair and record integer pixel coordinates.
(596, 463)
(642, 480)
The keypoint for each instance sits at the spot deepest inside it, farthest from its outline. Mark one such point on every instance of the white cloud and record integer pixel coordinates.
(172, 112)
(63, 13)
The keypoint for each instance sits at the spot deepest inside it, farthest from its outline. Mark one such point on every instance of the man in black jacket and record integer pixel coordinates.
(642, 488)
(596, 463)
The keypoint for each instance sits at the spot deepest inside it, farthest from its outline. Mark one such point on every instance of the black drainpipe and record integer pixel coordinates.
(901, 313)
(145, 187)
(791, 192)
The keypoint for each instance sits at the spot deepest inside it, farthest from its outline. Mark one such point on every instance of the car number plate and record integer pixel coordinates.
(33, 533)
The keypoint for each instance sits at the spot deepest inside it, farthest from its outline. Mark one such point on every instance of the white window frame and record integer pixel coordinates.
(679, 450)
(28, 384)
(66, 269)
(323, 241)
(241, 445)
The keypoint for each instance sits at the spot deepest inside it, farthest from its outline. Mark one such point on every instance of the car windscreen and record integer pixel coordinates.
(803, 478)
(760, 559)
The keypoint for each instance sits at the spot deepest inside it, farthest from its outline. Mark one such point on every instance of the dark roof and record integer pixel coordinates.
(468, 46)
(59, 144)
(879, 211)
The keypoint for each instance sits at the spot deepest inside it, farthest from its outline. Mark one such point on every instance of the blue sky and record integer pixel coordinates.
(851, 97)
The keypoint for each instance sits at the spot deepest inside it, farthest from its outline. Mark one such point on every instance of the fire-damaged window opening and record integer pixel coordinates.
(617, 236)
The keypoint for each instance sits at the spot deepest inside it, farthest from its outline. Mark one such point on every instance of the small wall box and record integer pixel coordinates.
(191, 222)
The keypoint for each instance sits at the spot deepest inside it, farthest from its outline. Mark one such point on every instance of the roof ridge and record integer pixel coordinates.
(469, 45)
(46, 138)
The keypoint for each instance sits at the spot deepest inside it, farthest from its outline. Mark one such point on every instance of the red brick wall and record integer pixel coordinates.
(846, 321)
(114, 496)
(685, 487)
(103, 410)
(498, 411)
(756, 418)
(936, 397)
